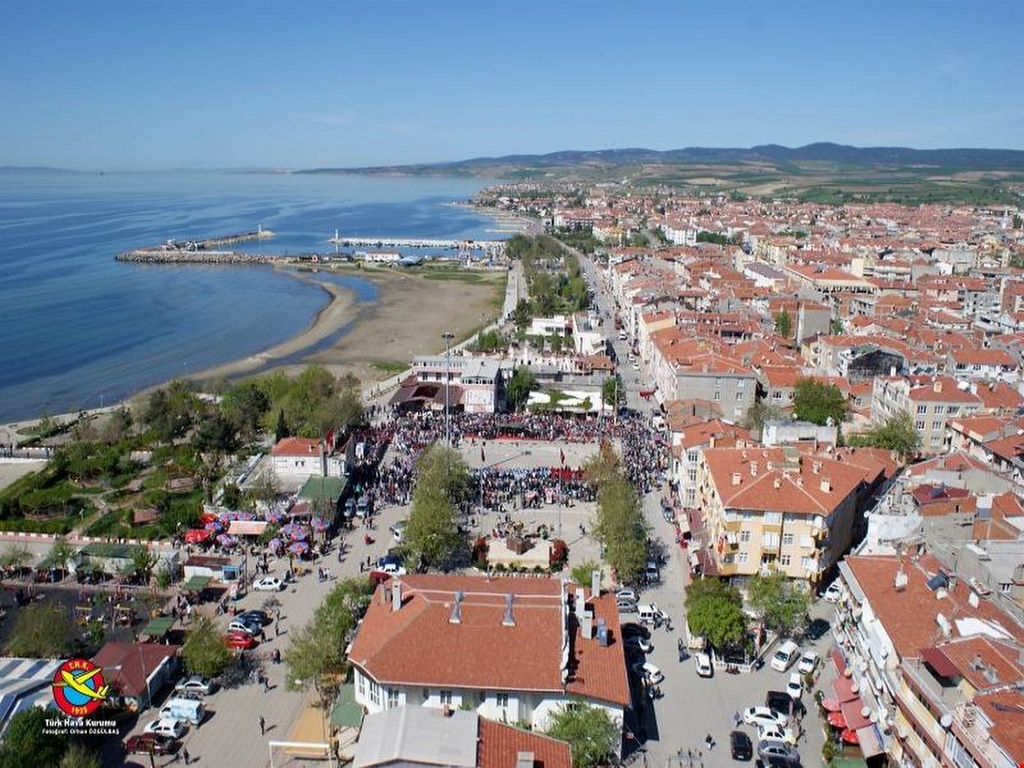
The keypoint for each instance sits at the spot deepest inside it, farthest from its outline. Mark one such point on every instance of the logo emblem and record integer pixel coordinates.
(79, 688)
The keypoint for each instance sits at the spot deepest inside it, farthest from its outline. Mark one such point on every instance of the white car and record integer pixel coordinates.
(795, 686)
(173, 729)
(626, 594)
(651, 674)
(268, 584)
(703, 662)
(763, 716)
(241, 626)
(195, 685)
(776, 733)
(808, 661)
(393, 569)
(833, 594)
(639, 643)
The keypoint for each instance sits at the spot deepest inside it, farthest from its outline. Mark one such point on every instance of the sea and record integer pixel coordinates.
(79, 330)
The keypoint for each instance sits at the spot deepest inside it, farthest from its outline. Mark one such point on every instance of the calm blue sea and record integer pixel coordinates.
(78, 329)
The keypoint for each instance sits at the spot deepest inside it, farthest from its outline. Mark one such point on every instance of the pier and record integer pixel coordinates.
(194, 250)
(416, 242)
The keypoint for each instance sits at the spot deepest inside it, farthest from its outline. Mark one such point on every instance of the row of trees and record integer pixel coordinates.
(619, 526)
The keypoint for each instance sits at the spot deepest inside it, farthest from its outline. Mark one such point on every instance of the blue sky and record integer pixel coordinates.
(233, 83)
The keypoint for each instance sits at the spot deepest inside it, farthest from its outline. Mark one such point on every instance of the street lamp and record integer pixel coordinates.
(447, 336)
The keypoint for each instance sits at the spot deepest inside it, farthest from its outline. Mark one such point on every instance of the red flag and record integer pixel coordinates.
(562, 454)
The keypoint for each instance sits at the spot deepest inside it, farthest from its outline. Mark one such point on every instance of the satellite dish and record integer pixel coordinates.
(946, 721)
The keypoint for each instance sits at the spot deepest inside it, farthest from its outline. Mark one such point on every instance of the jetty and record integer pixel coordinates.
(415, 242)
(194, 250)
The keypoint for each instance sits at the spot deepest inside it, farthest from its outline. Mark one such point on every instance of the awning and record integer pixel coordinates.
(843, 688)
(346, 713)
(870, 741)
(247, 527)
(196, 584)
(159, 626)
(853, 711)
(939, 661)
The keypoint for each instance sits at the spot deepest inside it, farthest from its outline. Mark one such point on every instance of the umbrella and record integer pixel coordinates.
(214, 526)
(830, 705)
(226, 541)
(275, 545)
(275, 516)
(850, 737)
(294, 531)
(197, 535)
(319, 524)
(837, 719)
(298, 547)
(207, 517)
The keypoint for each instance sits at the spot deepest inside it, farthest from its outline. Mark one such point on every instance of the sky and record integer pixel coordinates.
(117, 85)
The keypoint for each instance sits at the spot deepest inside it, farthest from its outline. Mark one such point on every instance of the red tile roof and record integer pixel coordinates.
(500, 744)
(296, 446)
(418, 645)
(135, 662)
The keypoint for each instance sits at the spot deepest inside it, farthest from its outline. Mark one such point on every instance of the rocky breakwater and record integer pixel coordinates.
(165, 255)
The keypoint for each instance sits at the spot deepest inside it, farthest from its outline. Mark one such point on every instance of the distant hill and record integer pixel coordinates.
(822, 172)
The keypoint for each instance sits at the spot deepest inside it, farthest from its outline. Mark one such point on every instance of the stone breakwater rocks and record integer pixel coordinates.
(174, 256)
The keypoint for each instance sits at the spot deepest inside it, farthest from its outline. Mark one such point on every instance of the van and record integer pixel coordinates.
(648, 613)
(189, 710)
(784, 657)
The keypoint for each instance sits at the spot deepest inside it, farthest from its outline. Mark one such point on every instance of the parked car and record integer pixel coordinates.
(703, 662)
(173, 729)
(392, 569)
(243, 627)
(778, 749)
(833, 593)
(268, 584)
(240, 641)
(632, 629)
(626, 594)
(650, 673)
(776, 733)
(260, 616)
(195, 684)
(763, 716)
(784, 656)
(740, 746)
(149, 744)
(808, 661)
(625, 606)
(639, 643)
(816, 629)
(782, 703)
(795, 686)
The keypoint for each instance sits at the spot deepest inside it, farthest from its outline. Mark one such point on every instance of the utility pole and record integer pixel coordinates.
(448, 336)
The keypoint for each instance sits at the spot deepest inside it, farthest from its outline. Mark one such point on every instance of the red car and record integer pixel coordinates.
(150, 744)
(240, 641)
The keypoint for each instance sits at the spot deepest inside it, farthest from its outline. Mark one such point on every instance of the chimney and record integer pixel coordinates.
(581, 601)
(711, 441)
(735, 478)
(816, 467)
(937, 385)
(396, 594)
(753, 469)
(595, 583)
(524, 760)
(509, 620)
(777, 482)
(826, 485)
(799, 481)
(456, 617)
(586, 620)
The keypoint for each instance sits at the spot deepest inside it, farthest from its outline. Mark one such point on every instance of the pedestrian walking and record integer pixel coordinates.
(266, 684)
(263, 726)
(186, 756)
(277, 629)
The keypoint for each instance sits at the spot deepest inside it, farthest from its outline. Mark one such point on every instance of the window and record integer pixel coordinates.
(691, 496)
(773, 518)
(392, 697)
(691, 456)
(426, 694)
(936, 425)
(445, 696)
(777, 394)
(718, 382)
(483, 696)
(787, 539)
(691, 475)
(741, 558)
(375, 693)
(807, 562)
(953, 410)
(744, 536)
(767, 558)
(362, 685)
(919, 424)
(785, 560)
(501, 698)
(718, 395)
(739, 396)
(770, 540)
(922, 409)
(741, 384)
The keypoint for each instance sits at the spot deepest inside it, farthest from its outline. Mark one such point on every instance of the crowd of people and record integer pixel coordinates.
(529, 488)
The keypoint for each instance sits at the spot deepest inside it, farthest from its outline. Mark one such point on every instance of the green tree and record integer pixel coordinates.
(603, 465)
(204, 651)
(784, 325)
(317, 649)
(581, 573)
(612, 391)
(214, 433)
(25, 744)
(80, 756)
(781, 604)
(522, 315)
(518, 389)
(717, 619)
(897, 433)
(42, 630)
(619, 524)
(61, 555)
(244, 406)
(171, 411)
(590, 731)
(143, 561)
(281, 431)
(15, 556)
(760, 412)
(442, 480)
(817, 402)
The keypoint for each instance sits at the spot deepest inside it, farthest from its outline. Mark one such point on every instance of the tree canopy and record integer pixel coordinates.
(817, 402)
(204, 651)
(25, 743)
(779, 601)
(590, 731)
(42, 630)
(442, 481)
(897, 433)
(619, 526)
(518, 389)
(784, 325)
(714, 611)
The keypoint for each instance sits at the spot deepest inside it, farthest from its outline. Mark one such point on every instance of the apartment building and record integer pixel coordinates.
(931, 401)
(935, 667)
(780, 508)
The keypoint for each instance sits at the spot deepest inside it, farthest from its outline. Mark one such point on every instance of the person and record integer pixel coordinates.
(277, 656)
(263, 726)
(186, 756)
(709, 741)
